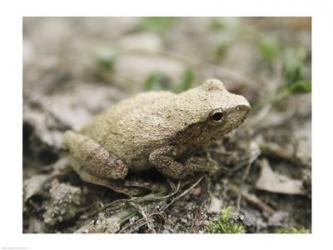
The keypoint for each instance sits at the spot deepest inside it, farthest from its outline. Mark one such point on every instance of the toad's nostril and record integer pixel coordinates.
(242, 108)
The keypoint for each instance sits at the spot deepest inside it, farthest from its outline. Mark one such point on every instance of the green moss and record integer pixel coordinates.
(292, 230)
(226, 223)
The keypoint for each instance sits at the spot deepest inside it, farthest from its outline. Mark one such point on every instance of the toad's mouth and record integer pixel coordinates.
(237, 115)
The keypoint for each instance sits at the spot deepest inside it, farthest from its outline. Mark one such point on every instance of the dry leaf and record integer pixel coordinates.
(273, 182)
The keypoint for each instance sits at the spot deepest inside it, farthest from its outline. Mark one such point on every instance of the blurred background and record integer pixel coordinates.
(255, 56)
(74, 68)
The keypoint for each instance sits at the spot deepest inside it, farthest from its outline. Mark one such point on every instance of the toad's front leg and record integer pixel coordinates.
(164, 160)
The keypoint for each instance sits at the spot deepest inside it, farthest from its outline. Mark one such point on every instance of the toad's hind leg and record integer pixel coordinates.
(116, 185)
(92, 159)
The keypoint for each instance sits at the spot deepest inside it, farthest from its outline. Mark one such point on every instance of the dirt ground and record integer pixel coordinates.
(76, 67)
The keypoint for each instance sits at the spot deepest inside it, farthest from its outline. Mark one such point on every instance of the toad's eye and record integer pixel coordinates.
(216, 116)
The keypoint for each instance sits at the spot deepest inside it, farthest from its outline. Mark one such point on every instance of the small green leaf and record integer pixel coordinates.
(220, 50)
(294, 61)
(294, 64)
(157, 81)
(269, 49)
(300, 87)
(293, 71)
(107, 60)
(185, 82)
(216, 24)
(156, 24)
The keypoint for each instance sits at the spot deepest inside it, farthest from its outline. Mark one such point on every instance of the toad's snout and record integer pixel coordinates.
(238, 114)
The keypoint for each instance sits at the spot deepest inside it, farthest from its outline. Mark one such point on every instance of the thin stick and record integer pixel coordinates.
(144, 216)
(254, 200)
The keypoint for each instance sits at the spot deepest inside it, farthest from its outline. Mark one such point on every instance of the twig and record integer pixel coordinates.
(154, 197)
(254, 200)
(274, 150)
(141, 222)
(144, 216)
(246, 173)
(107, 206)
(183, 193)
(254, 152)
